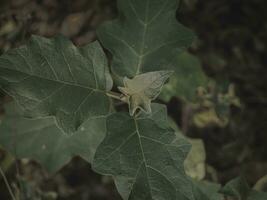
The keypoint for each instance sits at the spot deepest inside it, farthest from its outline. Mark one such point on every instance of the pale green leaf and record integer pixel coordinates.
(195, 161)
(261, 184)
(143, 88)
(187, 78)
(43, 141)
(52, 77)
(146, 156)
(145, 37)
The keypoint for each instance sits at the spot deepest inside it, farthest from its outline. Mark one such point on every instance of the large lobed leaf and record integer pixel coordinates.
(145, 37)
(51, 77)
(145, 157)
(43, 141)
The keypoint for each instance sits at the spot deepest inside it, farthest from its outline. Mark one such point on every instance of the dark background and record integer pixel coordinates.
(231, 44)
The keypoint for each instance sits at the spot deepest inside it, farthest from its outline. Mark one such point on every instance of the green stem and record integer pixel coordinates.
(117, 96)
(7, 184)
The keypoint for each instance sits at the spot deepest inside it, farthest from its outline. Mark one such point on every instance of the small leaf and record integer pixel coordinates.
(261, 184)
(145, 157)
(195, 161)
(143, 88)
(187, 78)
(146, 37)
(240, 189)
(237, 188)
(52, 77)
(205, 190)
(43, 141)
(205, 118)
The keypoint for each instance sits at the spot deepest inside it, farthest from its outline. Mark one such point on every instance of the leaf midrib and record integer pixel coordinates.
(143, 154)
(145, 23)
(145, 162)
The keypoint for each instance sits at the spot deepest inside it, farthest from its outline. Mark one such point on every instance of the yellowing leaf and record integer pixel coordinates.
(209, 117)
(261, 185)
(144, 88)
(195, 161)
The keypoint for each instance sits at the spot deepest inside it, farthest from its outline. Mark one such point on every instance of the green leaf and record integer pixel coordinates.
(261, 184)
(237, 188)
(256, 195)
(240, 189)
(145, 37)
(51, 77)
(205, 190)
(43, 141)
(145, 157)
(195, 162)
(143, 88)
(187, 78)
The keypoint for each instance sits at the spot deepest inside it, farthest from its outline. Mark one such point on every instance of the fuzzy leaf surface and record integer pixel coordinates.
(145, 157)
(145, 37)
(43, 141)
(52, 77)
(143, 88)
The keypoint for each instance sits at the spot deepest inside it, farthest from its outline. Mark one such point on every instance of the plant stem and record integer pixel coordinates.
(117, 96)
(7, 184)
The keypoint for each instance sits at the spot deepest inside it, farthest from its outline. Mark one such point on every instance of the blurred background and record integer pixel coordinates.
(231, 132)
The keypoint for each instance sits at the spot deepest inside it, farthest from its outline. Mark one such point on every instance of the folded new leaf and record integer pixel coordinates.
(143, 88)
(52, 77)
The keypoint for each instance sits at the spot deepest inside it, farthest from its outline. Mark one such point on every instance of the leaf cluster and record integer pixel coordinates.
(63, 104)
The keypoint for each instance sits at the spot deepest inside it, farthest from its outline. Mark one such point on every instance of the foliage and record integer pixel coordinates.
(239, 188)
(188, 76)
(41, 75)
(65, 93)
(146, 37)
(42, 140)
